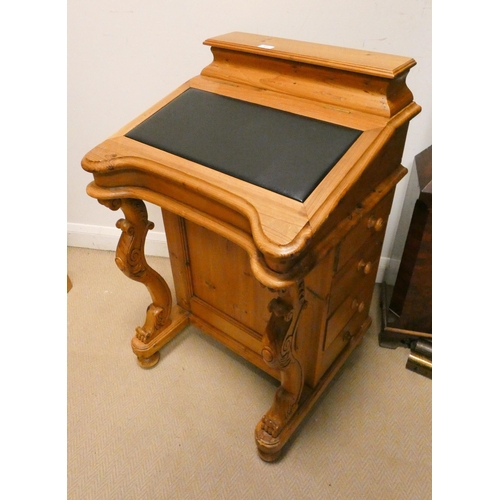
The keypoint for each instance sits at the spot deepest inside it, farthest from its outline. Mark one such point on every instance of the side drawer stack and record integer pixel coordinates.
(356, 264)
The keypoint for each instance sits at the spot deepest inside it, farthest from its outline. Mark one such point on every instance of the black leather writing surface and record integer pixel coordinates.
(277, 150)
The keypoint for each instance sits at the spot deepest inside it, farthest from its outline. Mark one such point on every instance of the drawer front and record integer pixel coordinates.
(355, 306)
(337, 345)
(373, 223)
(360, 269)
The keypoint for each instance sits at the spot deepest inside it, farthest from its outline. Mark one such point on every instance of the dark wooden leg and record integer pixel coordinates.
(158, 327)
(278, 351)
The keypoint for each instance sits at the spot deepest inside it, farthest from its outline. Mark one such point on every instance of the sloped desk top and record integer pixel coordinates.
(360, 95)
(280, 151)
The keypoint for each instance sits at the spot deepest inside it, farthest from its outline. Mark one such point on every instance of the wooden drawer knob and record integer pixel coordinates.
(359, 306)
(347, 336)
(364, 267)
(376, 224)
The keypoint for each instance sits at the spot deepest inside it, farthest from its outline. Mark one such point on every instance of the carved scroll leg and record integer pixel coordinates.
(131, 260)
(278, 351)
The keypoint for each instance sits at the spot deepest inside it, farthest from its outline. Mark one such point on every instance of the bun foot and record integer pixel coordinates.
(148, 362)
(269, 457)
(268, 447)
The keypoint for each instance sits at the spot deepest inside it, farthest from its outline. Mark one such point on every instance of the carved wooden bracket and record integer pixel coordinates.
(279, 351)
(131, 261)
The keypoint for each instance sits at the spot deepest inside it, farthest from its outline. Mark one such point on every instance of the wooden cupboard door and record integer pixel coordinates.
(222, 278)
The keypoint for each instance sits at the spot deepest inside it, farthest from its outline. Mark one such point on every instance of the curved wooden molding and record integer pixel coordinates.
(349, 78)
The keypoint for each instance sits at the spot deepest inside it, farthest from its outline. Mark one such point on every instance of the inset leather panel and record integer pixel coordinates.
(280, 151)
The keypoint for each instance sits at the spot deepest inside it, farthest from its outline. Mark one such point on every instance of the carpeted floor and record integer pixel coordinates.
(184, 429)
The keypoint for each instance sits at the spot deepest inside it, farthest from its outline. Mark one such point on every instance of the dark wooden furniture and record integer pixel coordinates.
(275, 169)
(408, 315)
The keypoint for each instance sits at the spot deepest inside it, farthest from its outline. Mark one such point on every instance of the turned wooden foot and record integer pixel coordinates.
(148, 362)
(131, 260)
(269, 457)
(279, 352)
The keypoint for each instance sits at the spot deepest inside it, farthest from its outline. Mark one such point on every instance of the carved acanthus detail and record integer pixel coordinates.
(279, 352)
(155, 321)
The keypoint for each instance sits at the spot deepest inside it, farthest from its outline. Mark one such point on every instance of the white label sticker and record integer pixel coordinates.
(264, 46)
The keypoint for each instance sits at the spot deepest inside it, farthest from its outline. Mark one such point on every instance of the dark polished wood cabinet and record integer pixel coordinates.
(275, 170)
(408, 312)
(412, 295)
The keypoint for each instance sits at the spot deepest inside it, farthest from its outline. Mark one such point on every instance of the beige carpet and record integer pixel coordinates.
(184, 429)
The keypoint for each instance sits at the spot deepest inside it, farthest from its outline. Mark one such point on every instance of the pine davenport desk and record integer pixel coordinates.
(275, 170)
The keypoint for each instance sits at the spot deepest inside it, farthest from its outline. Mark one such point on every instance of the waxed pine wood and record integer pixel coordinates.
(285, 284)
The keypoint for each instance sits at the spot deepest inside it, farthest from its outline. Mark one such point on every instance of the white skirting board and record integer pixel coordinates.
(106, 238)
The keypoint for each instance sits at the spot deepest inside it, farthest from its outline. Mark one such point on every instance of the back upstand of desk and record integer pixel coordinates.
(275, 170)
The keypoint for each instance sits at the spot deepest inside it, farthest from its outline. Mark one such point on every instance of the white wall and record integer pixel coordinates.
(125, 55)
